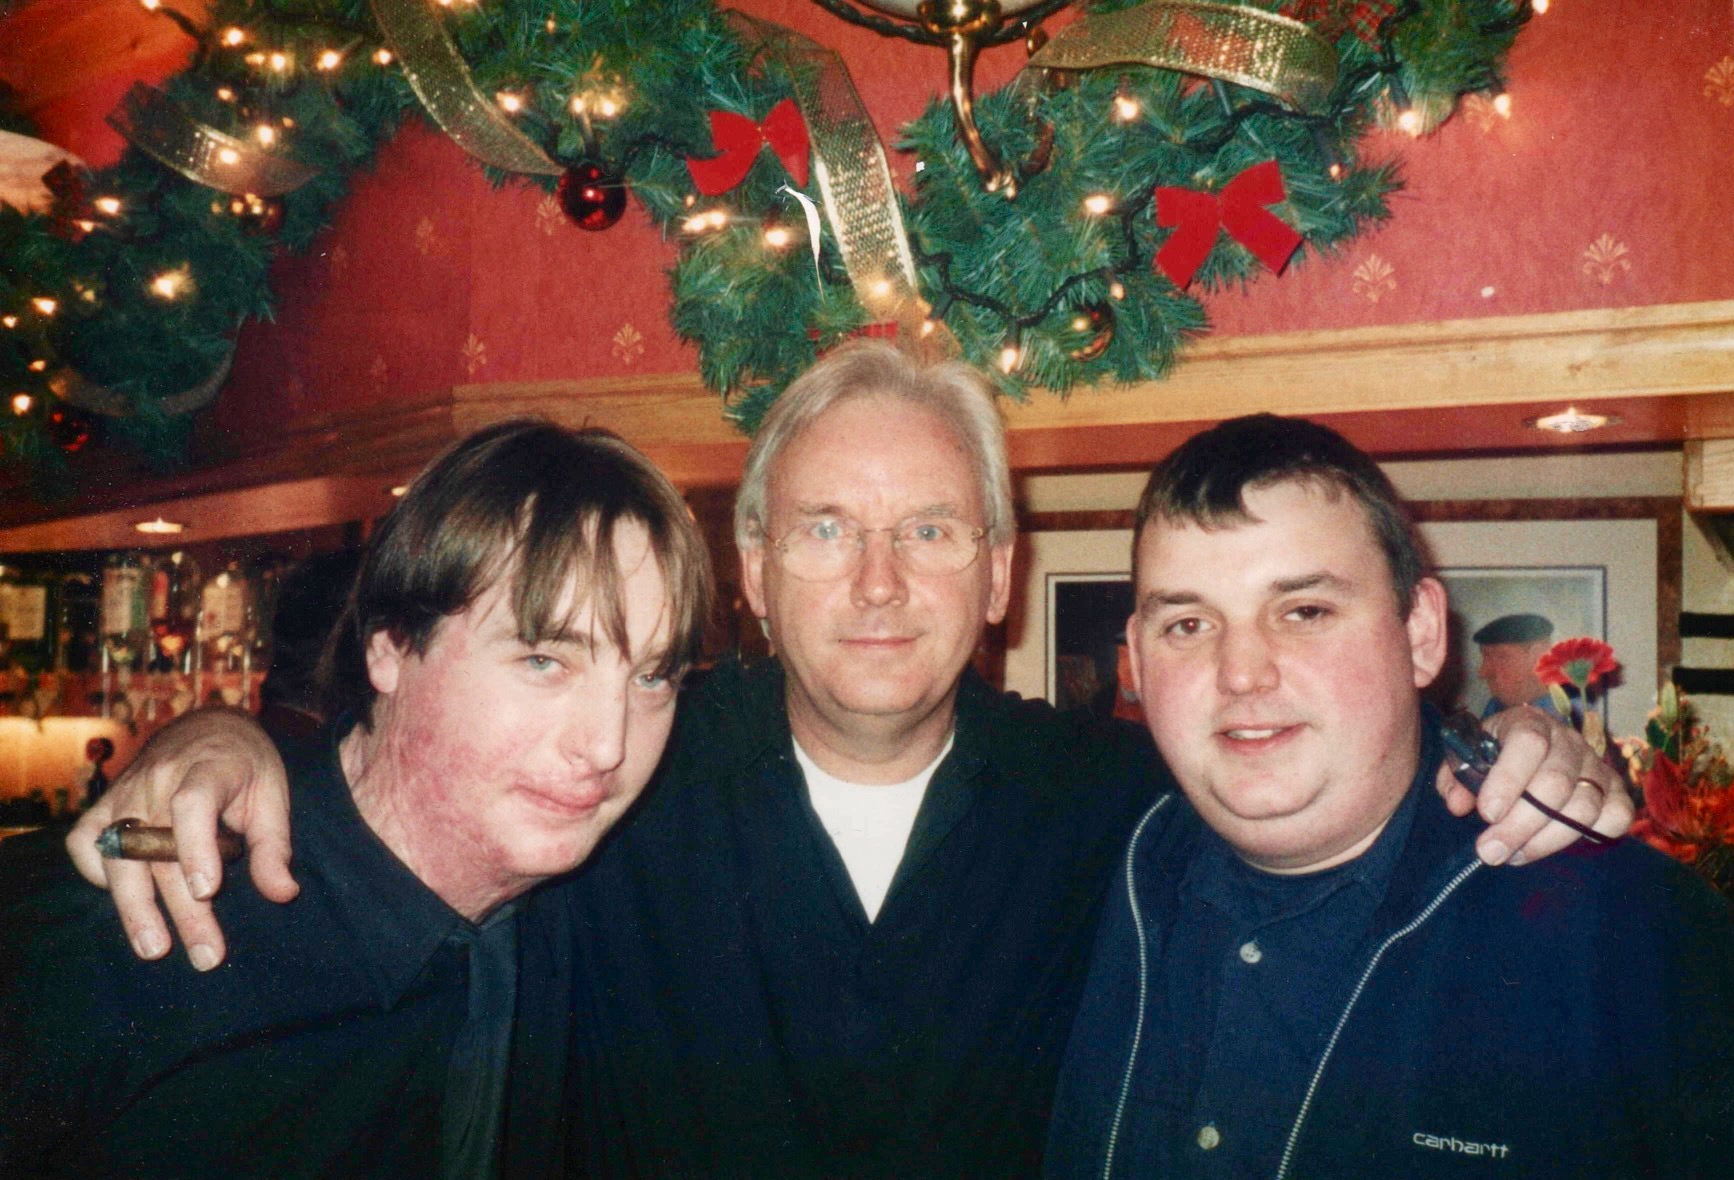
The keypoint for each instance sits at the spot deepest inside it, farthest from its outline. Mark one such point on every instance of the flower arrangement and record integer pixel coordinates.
(1687, 785)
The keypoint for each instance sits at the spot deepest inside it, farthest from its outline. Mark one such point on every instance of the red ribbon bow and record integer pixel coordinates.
(1239, 208)
(738, 141)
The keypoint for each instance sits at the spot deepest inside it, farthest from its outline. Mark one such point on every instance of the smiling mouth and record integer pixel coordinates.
(572, 806)
(1256, 737)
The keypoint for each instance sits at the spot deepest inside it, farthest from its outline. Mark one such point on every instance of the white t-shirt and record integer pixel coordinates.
(870, 825)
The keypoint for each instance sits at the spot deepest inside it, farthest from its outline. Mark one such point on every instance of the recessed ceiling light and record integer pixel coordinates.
(1572, 420)
(160, 526)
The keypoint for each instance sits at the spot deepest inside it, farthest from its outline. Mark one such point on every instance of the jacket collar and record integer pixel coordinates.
(1437, 847)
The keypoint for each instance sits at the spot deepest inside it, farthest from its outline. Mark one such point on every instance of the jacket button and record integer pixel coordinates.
(1250, 952)
(1209, 1137)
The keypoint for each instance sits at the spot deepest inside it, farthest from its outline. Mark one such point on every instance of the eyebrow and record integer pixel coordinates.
(1156, 599)
(944, 508)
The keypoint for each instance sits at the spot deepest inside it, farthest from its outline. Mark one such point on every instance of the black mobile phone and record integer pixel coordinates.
(1470, 749)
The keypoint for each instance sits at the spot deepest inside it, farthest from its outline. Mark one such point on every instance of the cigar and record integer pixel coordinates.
(128, 839)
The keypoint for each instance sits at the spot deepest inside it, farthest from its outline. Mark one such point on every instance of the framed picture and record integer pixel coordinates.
(1609, 568)
(1071, 595)
(1605, 568)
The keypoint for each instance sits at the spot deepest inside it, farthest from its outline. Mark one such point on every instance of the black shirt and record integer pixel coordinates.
(335, 1041)
(1255, 972)
(743, 1018)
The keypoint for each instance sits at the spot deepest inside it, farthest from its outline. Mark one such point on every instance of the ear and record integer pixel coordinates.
(1135, 648)
(999, 561)
(384, 662)
(753, 575)
(1428, 631)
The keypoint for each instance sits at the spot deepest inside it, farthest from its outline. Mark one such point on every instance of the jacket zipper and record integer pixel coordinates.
(1463, 875)
(1143, 986)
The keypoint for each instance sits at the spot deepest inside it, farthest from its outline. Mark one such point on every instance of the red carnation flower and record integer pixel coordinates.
(1582, 661)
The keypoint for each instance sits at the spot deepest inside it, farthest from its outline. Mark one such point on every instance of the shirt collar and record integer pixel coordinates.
(395, 922)
(1218, 876)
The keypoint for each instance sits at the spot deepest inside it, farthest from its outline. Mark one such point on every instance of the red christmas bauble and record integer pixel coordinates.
(593, 197)
(69, 429)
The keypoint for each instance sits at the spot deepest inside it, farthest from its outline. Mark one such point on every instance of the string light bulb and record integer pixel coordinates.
(170, 284)
(21, 403)
(509, 102)
(1538, 6)
(224, 93)
(607, 107)
(229, 156)
(265, 134)
(108, 205)
(1117, 290)
(928, 328)
(9, 321)
(1336, 171)
(1502, 104)
(279, 61)
(1097, 204)
(1410, 122)
(777, 236)
(329, 60)
(150, 5)
(45, 305)
(38, 365)
(1011, 356)
(233, 36)
(709, 219)
(1126, 108)
(382, 57)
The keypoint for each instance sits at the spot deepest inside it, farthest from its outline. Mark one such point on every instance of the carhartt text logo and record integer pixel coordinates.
(1496, 1151)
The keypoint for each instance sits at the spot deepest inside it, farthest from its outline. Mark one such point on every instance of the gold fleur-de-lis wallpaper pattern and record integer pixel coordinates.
(475, 354)
(1606, 259)
(628, 344)
(1374, 279)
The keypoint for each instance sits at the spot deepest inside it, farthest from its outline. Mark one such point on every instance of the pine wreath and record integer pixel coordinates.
(136, 283)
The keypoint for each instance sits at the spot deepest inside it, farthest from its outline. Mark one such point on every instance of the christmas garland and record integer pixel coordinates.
(125, 295)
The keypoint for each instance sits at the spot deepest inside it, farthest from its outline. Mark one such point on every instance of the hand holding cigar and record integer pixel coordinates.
(129, 839)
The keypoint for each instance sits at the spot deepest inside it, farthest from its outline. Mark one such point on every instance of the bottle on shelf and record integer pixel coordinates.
(227, 621)
(125, 632)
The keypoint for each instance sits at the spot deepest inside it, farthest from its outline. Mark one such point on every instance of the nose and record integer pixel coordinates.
(1246, 662)
(595, 735)
(879, 580)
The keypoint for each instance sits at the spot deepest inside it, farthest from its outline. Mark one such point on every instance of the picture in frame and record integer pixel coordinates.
(1571, 599)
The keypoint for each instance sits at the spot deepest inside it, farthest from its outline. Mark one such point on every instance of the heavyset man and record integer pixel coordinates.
(508, 658)
(845, 932)
(1304, 969)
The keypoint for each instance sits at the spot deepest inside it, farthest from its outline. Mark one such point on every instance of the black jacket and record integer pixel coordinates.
(741, 1017)
(320, 1048)
(1573, 1018)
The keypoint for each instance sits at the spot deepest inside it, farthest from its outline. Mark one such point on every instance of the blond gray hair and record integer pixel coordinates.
(958, 394)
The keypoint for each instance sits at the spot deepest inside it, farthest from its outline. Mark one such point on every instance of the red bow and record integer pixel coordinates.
(1239, 209)
(738, 140)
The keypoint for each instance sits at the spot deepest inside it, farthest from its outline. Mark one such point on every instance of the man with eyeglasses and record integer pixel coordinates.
(844, 933)
(1304, 969)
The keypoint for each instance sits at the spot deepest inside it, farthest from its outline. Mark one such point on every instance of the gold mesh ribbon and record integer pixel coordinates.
(1265, 51)
(160, 127)
(854, 180)
(72, 387)
(441, 78)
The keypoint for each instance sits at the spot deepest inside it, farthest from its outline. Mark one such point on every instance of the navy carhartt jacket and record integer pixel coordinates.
(1573, 1018)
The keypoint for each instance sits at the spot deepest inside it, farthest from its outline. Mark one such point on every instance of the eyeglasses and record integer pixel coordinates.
(826, 548)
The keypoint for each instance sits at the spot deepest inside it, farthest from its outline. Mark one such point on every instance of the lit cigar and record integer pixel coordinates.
(128, 839)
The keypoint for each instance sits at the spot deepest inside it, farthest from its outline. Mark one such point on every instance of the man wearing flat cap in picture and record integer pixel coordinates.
(1510, 646)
